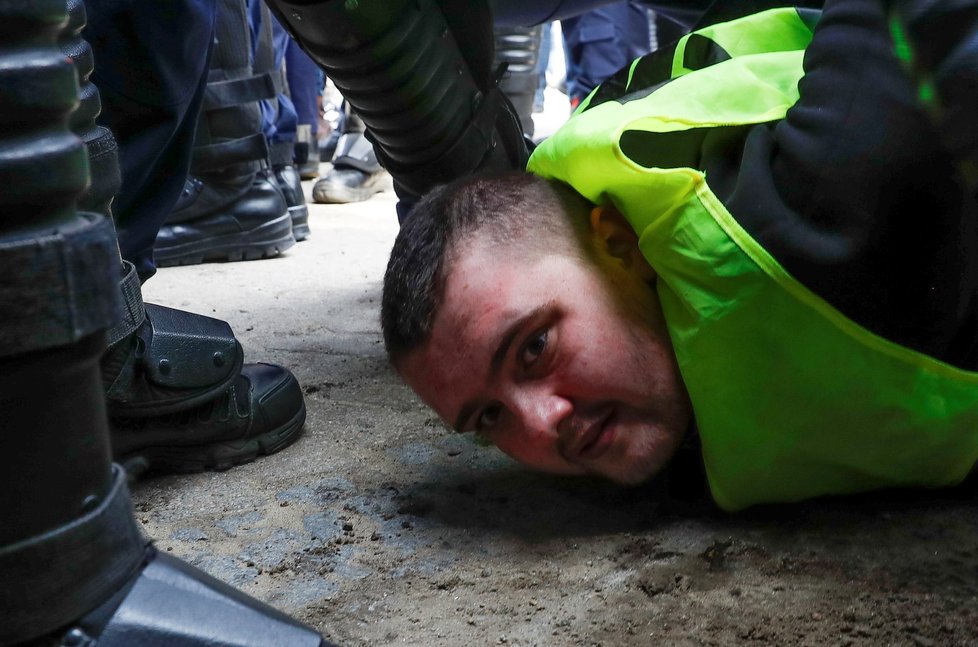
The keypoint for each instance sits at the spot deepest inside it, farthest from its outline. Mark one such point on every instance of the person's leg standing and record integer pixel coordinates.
(601, 42)
(278, 115)
(153, 122)
(154, 87)
(303, 78)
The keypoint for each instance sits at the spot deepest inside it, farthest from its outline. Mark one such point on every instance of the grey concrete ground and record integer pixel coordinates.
(381, 527)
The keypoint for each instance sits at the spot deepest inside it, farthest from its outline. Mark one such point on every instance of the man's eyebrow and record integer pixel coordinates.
(498, 357)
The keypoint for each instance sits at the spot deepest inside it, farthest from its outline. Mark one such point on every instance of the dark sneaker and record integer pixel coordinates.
(257, 225)
(290, 184)
(169, 602)
(261, 413)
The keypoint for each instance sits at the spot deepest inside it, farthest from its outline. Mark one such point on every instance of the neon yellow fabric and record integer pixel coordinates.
(792, 399)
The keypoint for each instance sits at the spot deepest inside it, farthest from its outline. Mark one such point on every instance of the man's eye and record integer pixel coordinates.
(534, 349)
(487, 419)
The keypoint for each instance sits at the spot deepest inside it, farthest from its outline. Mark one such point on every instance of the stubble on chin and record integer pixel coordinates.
(647, 454)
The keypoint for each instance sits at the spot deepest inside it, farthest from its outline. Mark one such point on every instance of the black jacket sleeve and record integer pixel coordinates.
(857, 194)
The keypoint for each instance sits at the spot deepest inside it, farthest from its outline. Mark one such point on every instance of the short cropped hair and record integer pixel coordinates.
(514, 212)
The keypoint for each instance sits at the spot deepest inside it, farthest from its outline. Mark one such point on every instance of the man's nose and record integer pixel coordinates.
(540, 411)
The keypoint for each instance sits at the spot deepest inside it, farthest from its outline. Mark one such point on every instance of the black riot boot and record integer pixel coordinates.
(231, 208)
(519, 49)
(290, 184)
(419, 74)
(76, 568)
(280, 154)
(355, 175)
(171, 378)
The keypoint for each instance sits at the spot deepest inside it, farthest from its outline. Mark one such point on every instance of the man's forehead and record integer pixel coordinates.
(486, 293)
(479, 285)
(479, 303)
(473, 314)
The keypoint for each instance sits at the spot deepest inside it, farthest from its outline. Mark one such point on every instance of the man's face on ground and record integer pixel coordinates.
(564, 366)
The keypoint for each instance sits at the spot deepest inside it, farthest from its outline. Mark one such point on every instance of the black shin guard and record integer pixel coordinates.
(431, 107)
(103, 151)
(75, 567)
(60, 268)
(57, 263)
(231, 207)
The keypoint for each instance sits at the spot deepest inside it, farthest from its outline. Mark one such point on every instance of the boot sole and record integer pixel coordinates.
(217, 457)
(266, 241)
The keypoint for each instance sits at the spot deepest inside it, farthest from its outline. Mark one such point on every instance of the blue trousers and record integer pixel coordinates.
(277, 115)
(304, 85)
(601, 42)
(152, 85)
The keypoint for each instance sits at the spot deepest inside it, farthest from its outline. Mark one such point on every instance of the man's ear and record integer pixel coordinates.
(615, 236)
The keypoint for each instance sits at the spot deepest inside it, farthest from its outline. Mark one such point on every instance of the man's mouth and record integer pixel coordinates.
(596, 440)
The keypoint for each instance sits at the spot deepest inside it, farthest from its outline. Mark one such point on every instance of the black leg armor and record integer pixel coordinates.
(60, 269)
(75, 567)
(101, 145)
(432, 108)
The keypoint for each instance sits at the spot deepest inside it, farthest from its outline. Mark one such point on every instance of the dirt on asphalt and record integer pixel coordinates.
(381, 527)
